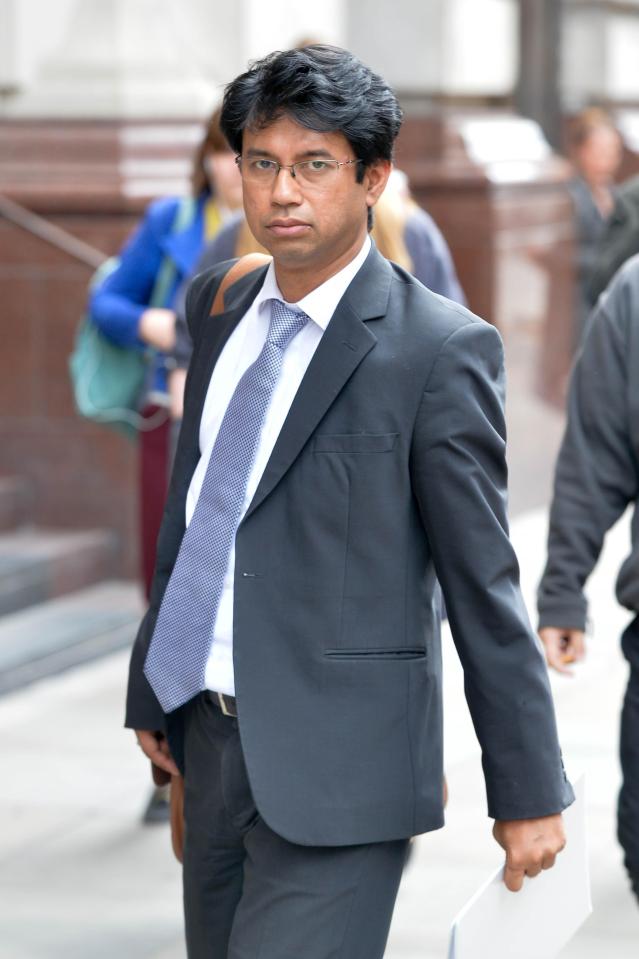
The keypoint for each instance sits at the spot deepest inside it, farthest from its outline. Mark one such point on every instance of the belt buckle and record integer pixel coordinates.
(222, 704)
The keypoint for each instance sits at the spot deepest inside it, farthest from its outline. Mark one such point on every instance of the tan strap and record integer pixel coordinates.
(177, 817)
(246, 264)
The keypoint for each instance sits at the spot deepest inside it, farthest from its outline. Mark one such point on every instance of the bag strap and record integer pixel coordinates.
(245, 264)
(165, 278)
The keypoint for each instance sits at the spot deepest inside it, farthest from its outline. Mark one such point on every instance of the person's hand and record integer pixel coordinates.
(157, 328)
(530, 845)
(175, 384)
(562, 646)
(154, 745)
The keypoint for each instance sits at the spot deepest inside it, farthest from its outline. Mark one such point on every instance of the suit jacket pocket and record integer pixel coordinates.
(354, 442)
(391, 654)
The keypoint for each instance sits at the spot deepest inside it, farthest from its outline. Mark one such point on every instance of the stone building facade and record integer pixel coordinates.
(100, 105)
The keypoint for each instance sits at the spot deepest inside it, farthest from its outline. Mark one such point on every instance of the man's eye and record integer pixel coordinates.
(317, 166)
(264, 166)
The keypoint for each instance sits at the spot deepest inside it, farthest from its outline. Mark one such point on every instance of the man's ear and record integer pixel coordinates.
(375, 180)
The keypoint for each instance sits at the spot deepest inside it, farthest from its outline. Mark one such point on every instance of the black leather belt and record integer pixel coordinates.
(227, 704)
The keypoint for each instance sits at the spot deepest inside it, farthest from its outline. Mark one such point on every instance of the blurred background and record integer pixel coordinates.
(102, 104)
(102, 107)
(521, 117)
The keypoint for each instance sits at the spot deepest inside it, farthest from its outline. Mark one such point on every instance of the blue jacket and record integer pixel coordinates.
(117, 304)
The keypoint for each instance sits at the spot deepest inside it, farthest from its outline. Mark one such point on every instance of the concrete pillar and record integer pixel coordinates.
(281, 25)
(229, 35)
(120, 58)
(600, 43)
(8, 64)
(438, 48)
(537, 94)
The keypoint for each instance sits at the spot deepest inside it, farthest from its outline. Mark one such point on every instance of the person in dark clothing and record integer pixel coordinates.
(597, 478)
(595, 150)
(619, 242)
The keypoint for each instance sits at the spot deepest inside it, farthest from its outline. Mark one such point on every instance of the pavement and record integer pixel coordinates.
(82, 878)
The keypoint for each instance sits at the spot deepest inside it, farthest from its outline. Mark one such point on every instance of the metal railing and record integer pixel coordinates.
(51, 234)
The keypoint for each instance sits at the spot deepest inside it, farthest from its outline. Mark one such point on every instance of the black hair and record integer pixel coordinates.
(321, 87)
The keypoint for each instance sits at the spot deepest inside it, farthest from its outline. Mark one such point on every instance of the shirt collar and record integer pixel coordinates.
(320, 303)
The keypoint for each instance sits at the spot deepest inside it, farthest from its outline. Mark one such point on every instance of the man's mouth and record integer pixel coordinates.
(288, 227)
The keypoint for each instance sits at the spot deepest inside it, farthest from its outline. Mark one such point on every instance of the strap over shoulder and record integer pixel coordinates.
(246, 264)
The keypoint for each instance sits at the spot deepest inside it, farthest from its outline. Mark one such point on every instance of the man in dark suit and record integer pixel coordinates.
(342, 446)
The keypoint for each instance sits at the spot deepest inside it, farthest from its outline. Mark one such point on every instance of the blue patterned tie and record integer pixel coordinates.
(176, 661)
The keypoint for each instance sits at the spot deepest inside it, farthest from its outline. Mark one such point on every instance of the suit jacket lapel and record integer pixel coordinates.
(342, 348)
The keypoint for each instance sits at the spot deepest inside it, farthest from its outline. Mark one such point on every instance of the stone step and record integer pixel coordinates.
(15, 501)
(39, 564)
(67, 631)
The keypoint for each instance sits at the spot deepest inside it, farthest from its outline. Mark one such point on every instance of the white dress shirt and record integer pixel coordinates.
(241, 349)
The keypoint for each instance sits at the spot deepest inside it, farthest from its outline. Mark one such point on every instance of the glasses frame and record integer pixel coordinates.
(291, 166)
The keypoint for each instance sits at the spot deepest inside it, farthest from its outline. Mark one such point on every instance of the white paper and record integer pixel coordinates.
(537, 921)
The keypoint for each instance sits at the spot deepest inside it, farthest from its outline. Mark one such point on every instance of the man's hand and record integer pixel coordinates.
(155, 746)
(562, 646)
(530, 845)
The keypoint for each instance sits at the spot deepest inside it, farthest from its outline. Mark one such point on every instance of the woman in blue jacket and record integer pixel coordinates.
(174, 230)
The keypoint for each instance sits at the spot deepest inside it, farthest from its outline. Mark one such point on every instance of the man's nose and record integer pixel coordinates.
(286, 188)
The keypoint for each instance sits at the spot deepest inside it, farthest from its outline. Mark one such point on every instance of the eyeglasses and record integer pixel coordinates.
(318, 173)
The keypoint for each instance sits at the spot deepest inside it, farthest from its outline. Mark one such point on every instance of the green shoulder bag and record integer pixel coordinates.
(108, 380)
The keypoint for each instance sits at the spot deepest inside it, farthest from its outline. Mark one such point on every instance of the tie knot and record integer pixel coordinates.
(285, 324)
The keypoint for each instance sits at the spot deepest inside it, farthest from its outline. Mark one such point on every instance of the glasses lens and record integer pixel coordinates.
(316, 172)
(258, 169)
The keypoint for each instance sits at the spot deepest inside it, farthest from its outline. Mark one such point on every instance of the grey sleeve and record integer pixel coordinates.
(596, 473)
(432, 263)
(220, 249)
(183, 345)
(459, 477)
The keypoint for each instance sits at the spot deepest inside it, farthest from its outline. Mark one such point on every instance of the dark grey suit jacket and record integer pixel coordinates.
(389, 470)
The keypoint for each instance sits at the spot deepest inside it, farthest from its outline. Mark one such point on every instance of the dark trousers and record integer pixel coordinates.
(249, 893)
(628, 806)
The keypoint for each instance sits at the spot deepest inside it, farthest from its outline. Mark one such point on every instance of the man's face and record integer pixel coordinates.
(307, 226)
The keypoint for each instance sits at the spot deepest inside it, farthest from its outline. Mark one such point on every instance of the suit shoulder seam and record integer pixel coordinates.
(470, 321)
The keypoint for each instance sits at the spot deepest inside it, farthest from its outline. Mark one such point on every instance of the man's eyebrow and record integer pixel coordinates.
(316, 153)
(254, 152)
(260, 153)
